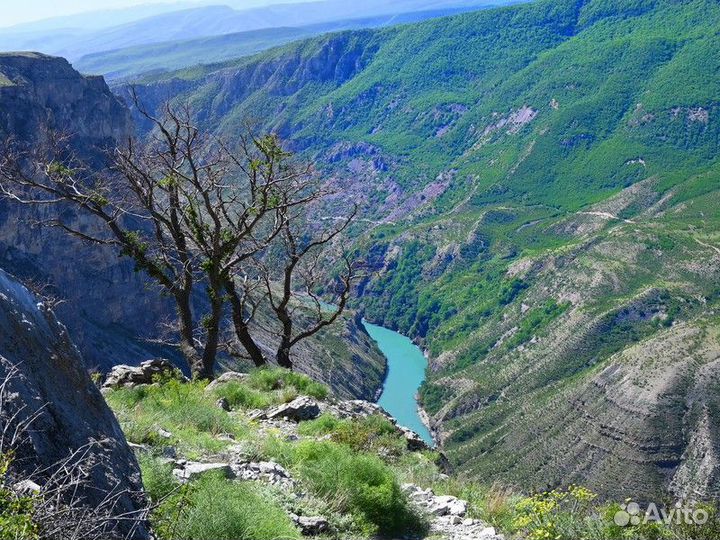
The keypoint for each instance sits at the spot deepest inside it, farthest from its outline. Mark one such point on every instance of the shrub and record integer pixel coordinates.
(214, 508)
(370, 434)
(157, 477)
(238, 394)
(269, 379)
(361, 484)
(16, 513)
(269, 386)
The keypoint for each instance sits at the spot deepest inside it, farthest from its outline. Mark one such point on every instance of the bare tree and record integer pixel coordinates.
(295, 272)
(189, 210)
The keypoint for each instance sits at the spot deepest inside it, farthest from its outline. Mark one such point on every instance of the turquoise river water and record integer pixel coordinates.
(406, 372)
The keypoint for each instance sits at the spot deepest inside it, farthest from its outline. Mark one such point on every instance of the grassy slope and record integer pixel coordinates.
(348, 470)
(545, 112)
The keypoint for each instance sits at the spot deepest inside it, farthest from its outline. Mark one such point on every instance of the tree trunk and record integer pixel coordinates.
(242, 331)
(212, 327)
(283, 354)
(187, 343)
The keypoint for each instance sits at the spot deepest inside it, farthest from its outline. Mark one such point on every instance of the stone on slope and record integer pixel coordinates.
(448, 516)
(311, 526)
(189, 470)
(145, 373)
(299, 409)
(228, 376)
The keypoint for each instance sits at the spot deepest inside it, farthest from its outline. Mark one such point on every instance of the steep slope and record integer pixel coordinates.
(46, 388)
(539, 187)
(44, 93)
(196, 21)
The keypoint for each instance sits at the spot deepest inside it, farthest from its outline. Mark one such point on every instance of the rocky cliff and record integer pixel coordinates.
(63, 419)
(39, 94)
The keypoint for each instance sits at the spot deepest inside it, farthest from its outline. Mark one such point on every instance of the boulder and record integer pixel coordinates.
(311, 526)
(68, 425)
(299, 409)
(223, 404)
(26, 488)
(145, 373)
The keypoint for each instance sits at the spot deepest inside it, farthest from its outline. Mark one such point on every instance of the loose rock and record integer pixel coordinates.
(188, 470)
(264, 471)
(449, 520)
(299, 409)
(311, 526)
(228, 376)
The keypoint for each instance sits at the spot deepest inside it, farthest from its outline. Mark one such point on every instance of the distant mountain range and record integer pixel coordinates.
(130, 62)
(77, 36)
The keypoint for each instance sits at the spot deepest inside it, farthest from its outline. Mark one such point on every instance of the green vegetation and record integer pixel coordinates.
(182, 409)
(567, 158)
(359, 483)
(16, 512)
(370, 434)
(351, 471)
(213, 508)
(267, 387)
(344, 475)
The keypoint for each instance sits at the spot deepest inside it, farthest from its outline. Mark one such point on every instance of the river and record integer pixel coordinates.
(406, 372)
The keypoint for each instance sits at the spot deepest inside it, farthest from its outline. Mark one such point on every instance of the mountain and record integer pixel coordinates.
(212, 20)
(131, 62)
(112, 311)
(540, 204)
(95, 20)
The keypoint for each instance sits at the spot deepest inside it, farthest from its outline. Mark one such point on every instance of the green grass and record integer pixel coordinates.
(270, 386)
(373, 434)
(354, 482)
(214, 508)
(183, 409)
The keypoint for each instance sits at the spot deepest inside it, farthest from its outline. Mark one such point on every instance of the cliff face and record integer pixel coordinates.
(48, 389)
(38, 94)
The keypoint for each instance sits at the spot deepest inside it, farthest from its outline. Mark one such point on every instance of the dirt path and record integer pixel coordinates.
(715, 248)
(608, 215)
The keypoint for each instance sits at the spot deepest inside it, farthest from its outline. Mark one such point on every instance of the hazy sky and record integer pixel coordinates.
(20, 11)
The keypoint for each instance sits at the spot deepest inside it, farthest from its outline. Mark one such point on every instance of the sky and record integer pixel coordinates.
(14, 12)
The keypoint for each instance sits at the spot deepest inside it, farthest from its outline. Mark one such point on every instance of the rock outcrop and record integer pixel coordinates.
(145, 373)
(41, 94)
(62, 416)
(448, 516)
